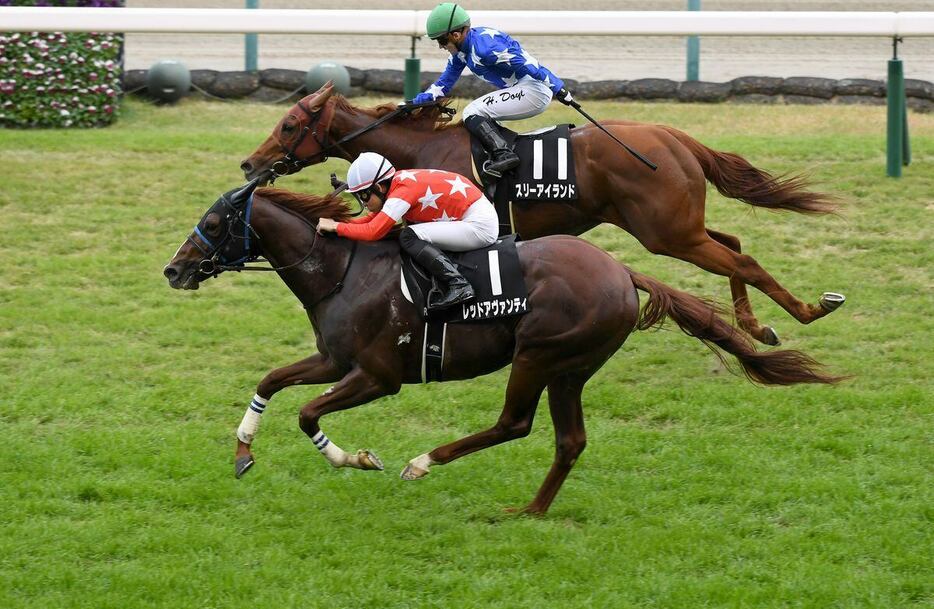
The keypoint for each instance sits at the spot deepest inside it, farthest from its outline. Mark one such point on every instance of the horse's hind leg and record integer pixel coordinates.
(741, 306)
(717, 258)
(567, 414)
(526, 383)
(313, 370)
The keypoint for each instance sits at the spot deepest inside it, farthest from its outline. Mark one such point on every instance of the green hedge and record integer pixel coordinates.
(55, 79)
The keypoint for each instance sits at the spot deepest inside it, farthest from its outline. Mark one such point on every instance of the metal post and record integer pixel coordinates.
(895, 100)
(906, 146)
(251, 43)
(413, 74)
(694, 47)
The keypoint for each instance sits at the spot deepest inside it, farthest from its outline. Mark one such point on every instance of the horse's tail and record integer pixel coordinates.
(736, 178)
(701, 319)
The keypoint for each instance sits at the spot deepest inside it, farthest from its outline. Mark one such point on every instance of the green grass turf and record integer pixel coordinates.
(119, 398)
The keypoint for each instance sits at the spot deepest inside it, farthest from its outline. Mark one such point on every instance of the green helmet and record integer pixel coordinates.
(446, 17)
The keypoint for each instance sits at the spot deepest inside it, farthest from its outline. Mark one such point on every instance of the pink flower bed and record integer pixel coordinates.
(55, 79)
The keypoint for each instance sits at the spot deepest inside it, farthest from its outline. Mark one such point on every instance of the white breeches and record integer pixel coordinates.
(478, 228)
(526, 98)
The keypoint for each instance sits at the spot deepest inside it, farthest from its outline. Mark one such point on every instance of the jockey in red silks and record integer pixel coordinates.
(443, 210)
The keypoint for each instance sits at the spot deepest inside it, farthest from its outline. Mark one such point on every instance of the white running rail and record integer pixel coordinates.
(412, 23)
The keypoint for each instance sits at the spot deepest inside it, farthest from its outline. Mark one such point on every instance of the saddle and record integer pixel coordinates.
(545, 171)
(496, 276)
(493, 271)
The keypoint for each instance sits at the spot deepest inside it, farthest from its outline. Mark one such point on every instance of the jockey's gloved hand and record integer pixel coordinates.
(422, 98)
(564, 96)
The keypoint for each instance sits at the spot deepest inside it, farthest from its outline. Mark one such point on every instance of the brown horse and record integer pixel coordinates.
(369, 337)
(664, 209)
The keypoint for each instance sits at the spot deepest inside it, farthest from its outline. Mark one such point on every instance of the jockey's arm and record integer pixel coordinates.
(526, 65)
(445, 82)
(361, 219)
(375, 226)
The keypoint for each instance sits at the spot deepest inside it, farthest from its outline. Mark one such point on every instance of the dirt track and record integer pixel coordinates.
(581, 58)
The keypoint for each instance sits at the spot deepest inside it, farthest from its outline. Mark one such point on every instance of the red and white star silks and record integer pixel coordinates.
(416, 196)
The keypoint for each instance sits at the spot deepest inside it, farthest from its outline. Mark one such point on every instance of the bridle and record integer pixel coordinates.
(291, 164)
(214, 262)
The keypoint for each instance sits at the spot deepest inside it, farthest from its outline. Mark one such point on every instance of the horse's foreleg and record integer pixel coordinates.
(567, 414)
(741, 306)
(525, 387)
(314, 370)
(356, 388)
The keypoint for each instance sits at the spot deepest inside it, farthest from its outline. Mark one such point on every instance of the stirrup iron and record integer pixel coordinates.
(488, 171)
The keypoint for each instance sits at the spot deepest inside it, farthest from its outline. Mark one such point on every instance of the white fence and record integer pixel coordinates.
(412, 23)
(566, 23)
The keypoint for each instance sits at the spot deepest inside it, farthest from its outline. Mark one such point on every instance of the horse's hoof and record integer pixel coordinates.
(243, 465)
(412, 472)
(368, 460)
(831, 301)
(770, 336)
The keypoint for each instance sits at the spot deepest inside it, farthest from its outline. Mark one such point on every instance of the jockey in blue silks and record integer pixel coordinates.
(526, 87)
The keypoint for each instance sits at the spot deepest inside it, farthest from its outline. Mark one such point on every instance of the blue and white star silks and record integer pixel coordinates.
(434, 91)
(496, 58)
(503, 56)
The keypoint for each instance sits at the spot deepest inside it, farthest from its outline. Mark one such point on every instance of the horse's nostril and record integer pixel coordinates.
(246, 167)
(171, 273)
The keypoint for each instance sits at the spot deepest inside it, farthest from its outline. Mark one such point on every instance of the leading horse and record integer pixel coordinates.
(369, 336)
(664, 209)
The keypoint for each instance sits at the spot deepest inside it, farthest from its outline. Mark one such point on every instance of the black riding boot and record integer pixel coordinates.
(455, 289)
(502, 158)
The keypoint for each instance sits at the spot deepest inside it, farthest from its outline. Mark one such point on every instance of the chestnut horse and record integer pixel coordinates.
(664, 209)
(369, 337)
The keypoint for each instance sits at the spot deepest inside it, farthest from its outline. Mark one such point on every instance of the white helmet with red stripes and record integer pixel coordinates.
(368, 169)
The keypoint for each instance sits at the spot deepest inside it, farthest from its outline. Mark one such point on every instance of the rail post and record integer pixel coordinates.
(251, 43)
(694, 47)
(413, 74)
(896, 121)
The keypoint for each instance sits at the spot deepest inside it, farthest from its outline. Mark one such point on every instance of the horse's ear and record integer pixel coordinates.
(328, 85)
(240, 196)
(321, 95)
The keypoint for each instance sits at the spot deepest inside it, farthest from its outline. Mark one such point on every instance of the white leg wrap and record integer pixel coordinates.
(250, 423)
(331, 451)
(422, 462)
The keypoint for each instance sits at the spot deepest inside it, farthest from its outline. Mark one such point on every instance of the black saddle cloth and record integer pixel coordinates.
(495, 274)
(545, 171)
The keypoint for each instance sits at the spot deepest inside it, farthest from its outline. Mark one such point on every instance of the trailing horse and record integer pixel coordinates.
(663, 209)
(369, 337)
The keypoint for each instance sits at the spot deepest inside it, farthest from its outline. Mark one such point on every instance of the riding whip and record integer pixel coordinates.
(573, 103)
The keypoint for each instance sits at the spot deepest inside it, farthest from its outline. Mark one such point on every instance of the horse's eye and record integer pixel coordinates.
(288, 128)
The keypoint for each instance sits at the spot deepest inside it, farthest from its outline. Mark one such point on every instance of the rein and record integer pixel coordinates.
(290, 164)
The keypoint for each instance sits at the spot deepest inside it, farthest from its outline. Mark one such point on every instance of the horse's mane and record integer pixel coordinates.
(428, 118)
(309, 207)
